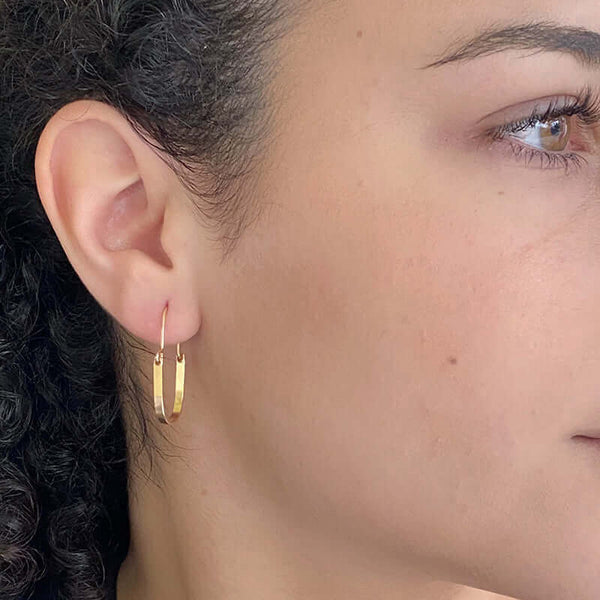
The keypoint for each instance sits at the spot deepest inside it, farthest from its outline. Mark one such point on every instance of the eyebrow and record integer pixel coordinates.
(582, 43)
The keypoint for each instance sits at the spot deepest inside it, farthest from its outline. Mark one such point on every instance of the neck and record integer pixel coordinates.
(214, 518)
(204, 529)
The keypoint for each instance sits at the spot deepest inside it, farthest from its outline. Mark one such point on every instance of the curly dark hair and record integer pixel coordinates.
(190, 76)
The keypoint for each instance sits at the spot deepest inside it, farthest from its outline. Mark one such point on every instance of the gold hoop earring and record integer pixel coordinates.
(159, 405)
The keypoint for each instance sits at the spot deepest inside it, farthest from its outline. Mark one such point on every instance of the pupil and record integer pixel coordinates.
(555, 128)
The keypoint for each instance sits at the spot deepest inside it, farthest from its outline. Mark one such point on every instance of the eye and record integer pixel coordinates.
(559, 133)
(552, 135)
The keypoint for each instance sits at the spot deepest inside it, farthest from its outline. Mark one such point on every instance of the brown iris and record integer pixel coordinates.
(551, 135)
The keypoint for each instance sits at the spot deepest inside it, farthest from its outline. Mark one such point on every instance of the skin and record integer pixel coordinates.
(384, 381)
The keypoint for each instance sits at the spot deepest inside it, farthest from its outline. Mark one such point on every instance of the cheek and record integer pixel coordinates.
(398, 353)
(344, 321)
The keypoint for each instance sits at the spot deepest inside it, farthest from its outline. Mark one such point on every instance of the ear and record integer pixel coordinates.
(123, 218)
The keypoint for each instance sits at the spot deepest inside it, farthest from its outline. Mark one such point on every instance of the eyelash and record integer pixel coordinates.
(585, 106)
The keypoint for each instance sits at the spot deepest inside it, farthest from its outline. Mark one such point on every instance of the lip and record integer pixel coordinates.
(589, 433)
(580, 439)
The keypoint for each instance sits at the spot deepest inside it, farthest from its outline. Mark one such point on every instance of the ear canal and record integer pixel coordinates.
(130, 224)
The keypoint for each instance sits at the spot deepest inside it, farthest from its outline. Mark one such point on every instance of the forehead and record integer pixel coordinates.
(426, 28)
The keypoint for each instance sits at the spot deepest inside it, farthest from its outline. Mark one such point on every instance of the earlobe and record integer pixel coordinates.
(106, 194)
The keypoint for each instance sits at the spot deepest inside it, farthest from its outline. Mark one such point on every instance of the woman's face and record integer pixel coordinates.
(408, 340)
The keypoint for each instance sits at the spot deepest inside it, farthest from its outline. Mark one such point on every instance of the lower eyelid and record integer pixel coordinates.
(536, 159)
